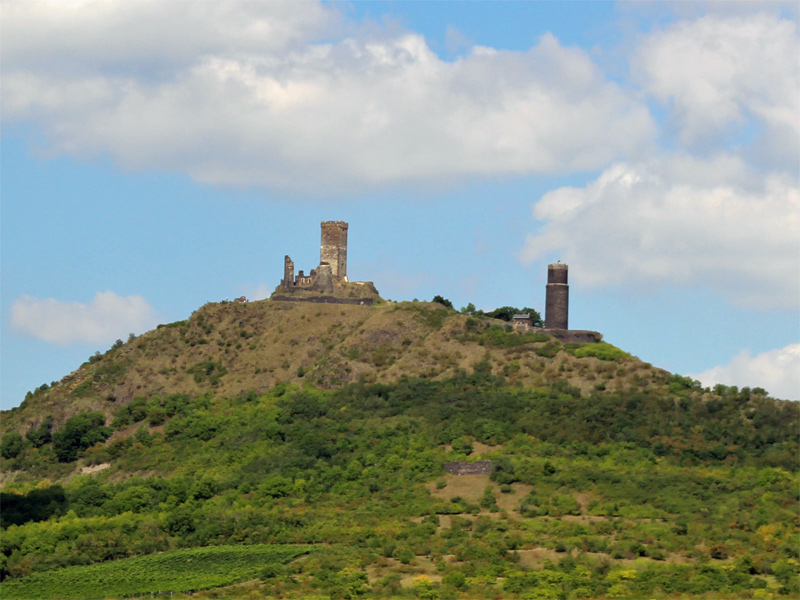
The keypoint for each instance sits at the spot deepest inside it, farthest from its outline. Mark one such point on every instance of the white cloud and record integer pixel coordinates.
(103, 320)
(372, 109)
(679, 221)
(150, 38)
(723, 74)
(722, 211)
(777, 371)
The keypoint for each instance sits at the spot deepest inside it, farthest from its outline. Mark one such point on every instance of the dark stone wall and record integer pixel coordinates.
(574, 336)
(326, 300)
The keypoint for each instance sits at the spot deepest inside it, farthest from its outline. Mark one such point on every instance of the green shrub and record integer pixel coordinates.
(156, 416)
(207, 371)
(601, 350)
(462, 445)
(495, 335)
(488, 500)
(549, 350)
(84, 389)
(455, 579)
(175, 324)
(404, 555)
(109, 373)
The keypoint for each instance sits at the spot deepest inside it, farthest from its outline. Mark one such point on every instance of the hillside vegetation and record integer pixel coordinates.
(231, 349)
(322, 431)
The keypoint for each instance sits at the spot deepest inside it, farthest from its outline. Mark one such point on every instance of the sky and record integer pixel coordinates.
(157, 155)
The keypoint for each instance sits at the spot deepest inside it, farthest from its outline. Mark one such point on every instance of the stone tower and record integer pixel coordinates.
(333, 248)
(556, 310)
(288, 272)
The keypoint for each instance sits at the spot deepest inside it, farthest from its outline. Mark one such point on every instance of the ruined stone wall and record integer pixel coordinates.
(480, 467)
(333, 248)
(305, 281)
(574, 336)
(556, 311)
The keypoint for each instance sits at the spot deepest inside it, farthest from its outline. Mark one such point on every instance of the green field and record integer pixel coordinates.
(175, 571)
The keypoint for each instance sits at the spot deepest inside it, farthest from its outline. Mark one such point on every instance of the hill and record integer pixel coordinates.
(326, 428)
(230, 349)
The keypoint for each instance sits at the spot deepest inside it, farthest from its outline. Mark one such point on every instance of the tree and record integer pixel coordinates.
(469, 309)
(41, 435)
(443, 301)
(90, 494)
(37, 505)
(79, 433)
(506, 313)
(535, 316)
(12, 445)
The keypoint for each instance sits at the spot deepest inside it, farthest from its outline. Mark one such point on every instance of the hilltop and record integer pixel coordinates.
(311, 450)
(231, 349)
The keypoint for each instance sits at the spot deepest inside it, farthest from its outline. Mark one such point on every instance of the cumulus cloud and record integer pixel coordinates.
(103, 320)
(680, 221)
(777, 371)
(274, 108)
(150, 38)
(721, 210)
(722, 74)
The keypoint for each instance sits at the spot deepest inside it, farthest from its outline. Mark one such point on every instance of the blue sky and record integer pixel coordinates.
(160, 155)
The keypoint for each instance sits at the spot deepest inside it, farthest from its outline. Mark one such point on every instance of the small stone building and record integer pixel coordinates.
(522, 322)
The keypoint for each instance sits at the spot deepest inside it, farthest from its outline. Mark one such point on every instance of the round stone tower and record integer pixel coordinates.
(556, 310)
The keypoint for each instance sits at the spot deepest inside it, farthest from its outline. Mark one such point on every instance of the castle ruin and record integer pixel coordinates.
(332, 262)
(331, 274)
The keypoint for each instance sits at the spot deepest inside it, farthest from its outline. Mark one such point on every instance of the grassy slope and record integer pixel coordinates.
(260, 344)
